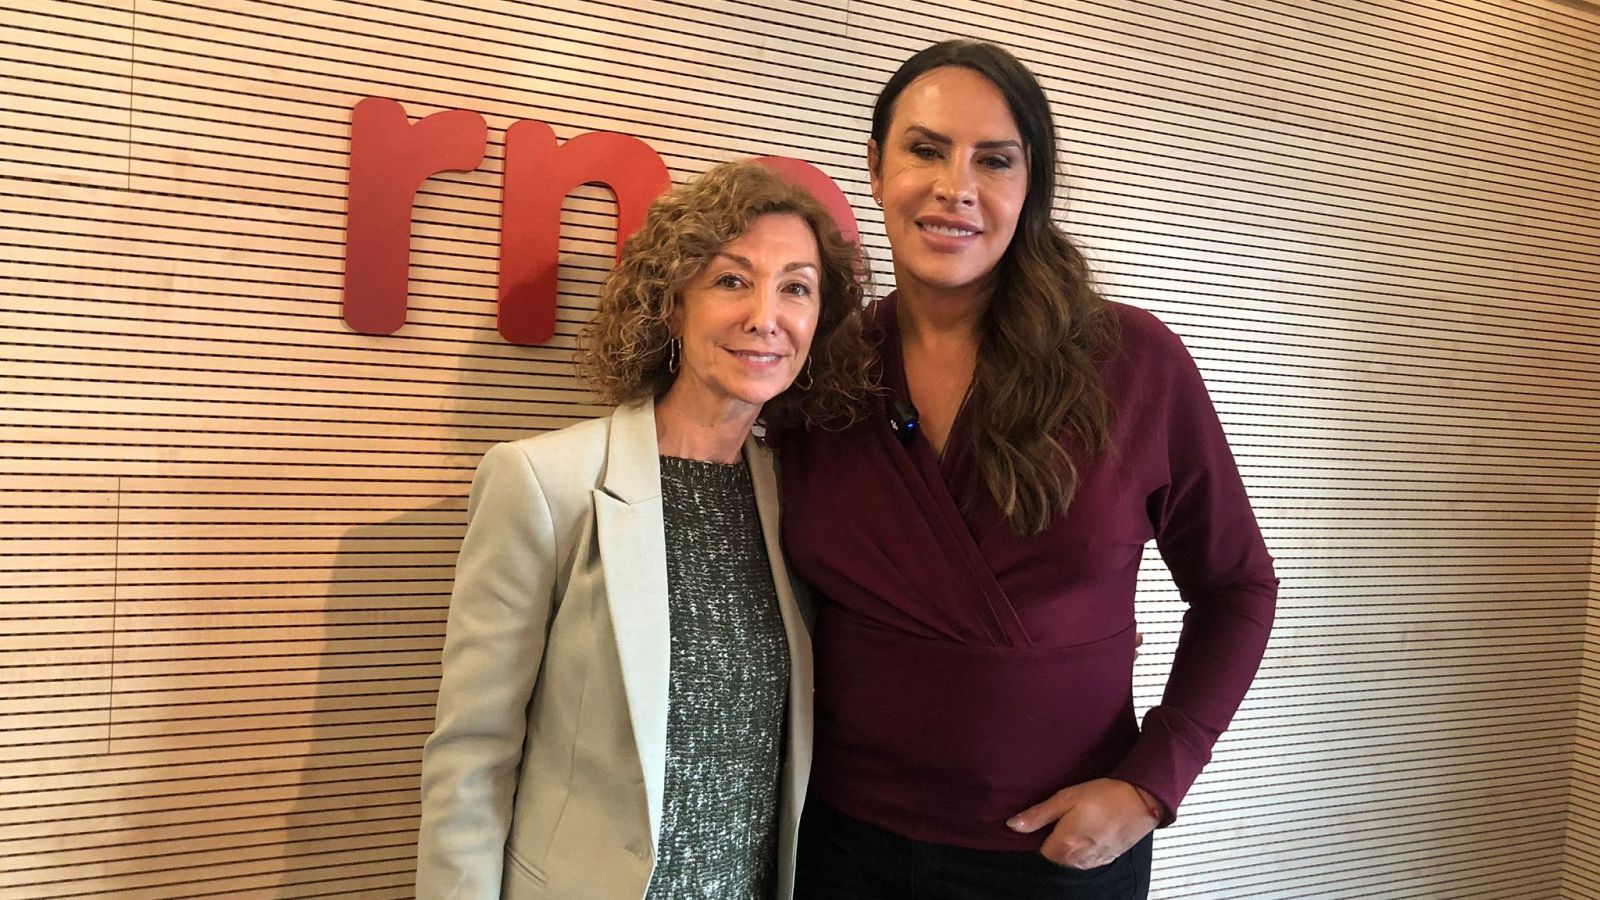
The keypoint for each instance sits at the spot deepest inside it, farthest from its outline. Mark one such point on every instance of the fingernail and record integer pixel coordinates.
(1014, 823)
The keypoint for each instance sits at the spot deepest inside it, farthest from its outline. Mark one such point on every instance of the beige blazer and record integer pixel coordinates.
(543, 776)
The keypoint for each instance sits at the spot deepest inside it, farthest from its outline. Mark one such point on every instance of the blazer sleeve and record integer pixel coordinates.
(494, 641)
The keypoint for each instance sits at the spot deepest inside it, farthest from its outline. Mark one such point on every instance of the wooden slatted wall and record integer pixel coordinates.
(227, 523)
(1582, 863)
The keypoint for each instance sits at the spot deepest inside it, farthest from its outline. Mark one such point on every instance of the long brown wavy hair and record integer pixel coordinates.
(1045, 326)
(624, 351)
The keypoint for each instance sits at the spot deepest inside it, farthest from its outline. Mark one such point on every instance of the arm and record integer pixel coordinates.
(1209, 539)
(1208, 536)
(495, 637)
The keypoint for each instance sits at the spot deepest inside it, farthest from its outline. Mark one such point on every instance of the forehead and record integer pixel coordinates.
(955, 101)
(778, 238)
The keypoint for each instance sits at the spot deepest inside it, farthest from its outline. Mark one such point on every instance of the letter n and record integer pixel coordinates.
(389, 159)
(539, 174)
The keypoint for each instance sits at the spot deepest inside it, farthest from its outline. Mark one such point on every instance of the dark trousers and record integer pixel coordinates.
(842, 858)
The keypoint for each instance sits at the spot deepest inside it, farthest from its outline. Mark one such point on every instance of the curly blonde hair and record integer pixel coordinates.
(624, 351)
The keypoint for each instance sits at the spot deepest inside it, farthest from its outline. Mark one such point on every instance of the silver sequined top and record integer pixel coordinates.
(728, 689)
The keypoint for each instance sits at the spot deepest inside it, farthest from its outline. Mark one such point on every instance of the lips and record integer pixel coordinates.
(941, 234)
(756, 357)
(947, 230)
(946, 227)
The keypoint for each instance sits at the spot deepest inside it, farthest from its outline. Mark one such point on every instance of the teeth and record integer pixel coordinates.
(760, 357)
(948, 231)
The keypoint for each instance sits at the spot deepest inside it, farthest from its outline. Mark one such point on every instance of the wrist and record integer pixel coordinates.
(1152, 806)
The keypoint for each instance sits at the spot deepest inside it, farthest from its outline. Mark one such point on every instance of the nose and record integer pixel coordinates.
(955, 184)
(762, 315)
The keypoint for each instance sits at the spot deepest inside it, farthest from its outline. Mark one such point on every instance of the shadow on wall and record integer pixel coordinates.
(353, 826)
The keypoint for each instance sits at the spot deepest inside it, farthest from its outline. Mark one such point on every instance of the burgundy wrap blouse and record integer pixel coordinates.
(964, 674)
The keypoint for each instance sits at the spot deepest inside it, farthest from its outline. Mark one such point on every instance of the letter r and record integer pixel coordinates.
(389, 159)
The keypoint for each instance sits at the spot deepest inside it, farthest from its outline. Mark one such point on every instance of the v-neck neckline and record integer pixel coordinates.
(945, 480)
(957, 442)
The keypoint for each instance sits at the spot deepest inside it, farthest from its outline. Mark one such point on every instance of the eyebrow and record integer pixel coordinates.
(938, 138)
(791, 267)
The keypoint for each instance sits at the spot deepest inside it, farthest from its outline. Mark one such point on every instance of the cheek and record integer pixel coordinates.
(1015, 219)
(901, 189)
(1009, 213)
(1018, 198)
(804, 329)
(687, 320)
(709, 328)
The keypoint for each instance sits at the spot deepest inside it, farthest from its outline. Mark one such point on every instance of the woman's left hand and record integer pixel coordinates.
(1096, 822)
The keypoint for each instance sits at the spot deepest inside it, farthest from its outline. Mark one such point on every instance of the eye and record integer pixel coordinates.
(728, 280)
(924, 151)
(798, 289)
(997, 163)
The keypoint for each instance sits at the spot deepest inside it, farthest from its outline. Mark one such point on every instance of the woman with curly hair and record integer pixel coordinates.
(624, 709)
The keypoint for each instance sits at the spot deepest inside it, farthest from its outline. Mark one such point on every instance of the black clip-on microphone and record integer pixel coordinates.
(903, 421)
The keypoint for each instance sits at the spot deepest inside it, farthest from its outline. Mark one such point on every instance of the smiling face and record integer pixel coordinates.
(952, 174)
(747, 318)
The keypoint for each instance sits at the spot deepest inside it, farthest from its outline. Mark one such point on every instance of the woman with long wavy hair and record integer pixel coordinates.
(974, 542)
(624, 707)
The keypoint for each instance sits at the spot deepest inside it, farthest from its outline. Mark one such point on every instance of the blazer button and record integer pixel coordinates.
(636, 850)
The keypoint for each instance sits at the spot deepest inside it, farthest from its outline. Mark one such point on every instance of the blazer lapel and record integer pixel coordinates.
(628, 518)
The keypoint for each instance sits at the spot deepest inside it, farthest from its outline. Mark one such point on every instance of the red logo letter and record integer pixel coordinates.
(821, 187)
(538, 175)
(389, 159)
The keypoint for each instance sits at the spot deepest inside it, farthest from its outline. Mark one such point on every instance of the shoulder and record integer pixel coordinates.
(566, 456)
(1150, 366)
(585, 437)
(1142, 336)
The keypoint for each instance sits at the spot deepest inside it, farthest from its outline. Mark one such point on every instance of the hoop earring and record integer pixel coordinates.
(672, 355)
(807, 374)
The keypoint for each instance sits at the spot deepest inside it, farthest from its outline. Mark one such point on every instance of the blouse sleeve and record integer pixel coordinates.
(1208, 536)
(494, 641)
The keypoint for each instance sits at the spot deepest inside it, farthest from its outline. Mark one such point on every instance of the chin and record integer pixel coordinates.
(750, 394)
(953, 283)
(763, 398)
(769, 394)
(951, 278)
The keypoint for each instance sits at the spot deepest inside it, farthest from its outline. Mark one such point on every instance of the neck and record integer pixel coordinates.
(695, 429)
(940, 317)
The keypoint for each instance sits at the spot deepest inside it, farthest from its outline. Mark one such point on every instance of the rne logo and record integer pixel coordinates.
(391, 156)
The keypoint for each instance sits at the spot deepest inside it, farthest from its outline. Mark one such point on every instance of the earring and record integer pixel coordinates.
(807, 374)
(672, 355)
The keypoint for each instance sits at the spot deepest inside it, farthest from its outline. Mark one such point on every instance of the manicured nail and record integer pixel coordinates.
(1014, 823)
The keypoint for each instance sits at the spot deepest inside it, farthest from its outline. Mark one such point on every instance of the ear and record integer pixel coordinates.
(874, 161)
(675, 319)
